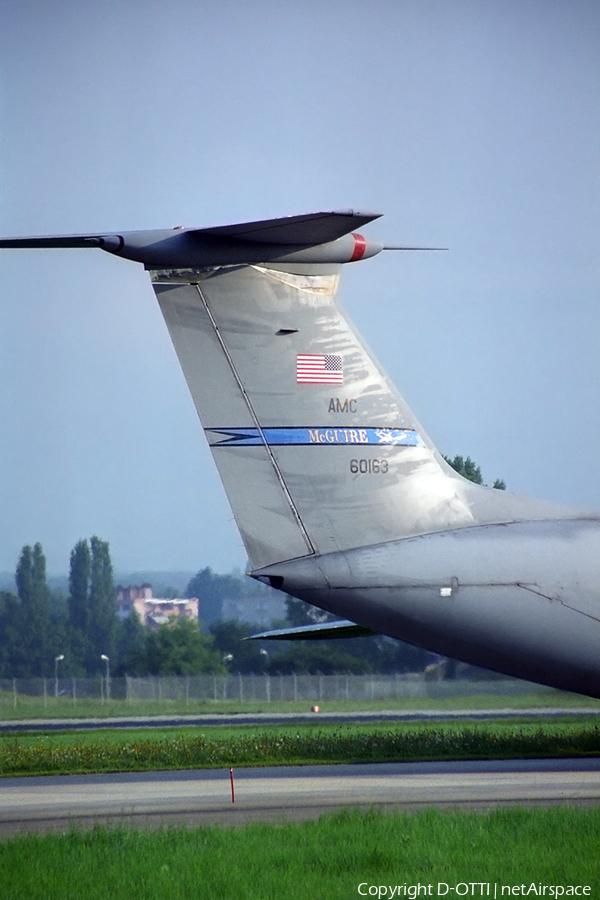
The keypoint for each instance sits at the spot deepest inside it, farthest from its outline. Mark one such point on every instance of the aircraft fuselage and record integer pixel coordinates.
(521, 598)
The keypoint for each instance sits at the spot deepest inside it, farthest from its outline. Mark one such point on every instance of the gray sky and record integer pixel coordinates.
(469, 125)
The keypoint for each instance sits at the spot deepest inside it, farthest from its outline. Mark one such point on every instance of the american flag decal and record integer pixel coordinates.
(319, 368)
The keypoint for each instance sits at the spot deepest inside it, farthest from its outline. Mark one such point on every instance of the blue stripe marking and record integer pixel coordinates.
(279, 437)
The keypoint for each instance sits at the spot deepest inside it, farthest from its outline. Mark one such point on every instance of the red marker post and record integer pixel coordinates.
(232, 786)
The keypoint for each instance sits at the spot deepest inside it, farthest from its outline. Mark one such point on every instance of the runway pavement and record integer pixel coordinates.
(290, 718)
(279, 794)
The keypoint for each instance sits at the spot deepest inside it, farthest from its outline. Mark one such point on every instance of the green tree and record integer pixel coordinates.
(472, 472)
(58, 631)
(79, 608)
(299, 612)
(466, 468)
(318, 658)
(33, 593)
(247, 656)
(79, 586)
(11, 653)
(346, 655)
(131, 647)
(212, 589)
(181, 649)
(103, 619)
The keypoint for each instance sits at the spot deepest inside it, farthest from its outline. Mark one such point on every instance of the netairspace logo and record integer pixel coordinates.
(472, 889)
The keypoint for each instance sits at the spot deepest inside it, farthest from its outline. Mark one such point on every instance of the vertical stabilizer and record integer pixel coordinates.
(316, 449)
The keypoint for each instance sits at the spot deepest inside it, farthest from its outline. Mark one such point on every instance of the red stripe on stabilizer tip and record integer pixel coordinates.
(360, 245)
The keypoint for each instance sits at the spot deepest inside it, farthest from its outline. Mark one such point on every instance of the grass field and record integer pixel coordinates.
(322, 860)
(104, 735)
(182, 748)
(63, 707)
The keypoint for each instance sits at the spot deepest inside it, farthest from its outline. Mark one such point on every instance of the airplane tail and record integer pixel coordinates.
(317, 450)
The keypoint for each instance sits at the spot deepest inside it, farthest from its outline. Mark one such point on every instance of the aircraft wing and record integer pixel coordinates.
(318, 632)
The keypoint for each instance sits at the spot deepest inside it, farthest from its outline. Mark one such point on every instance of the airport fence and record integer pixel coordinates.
(188, 689)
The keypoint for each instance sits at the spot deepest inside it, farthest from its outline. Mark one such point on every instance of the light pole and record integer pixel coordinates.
(57, 659)
(107, 661)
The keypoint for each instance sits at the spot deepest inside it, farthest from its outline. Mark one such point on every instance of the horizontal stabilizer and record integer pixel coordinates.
(54, 241)
(311, 229)
(318, 632)
(315, 238)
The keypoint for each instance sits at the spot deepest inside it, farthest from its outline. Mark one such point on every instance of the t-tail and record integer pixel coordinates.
(317, 450)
